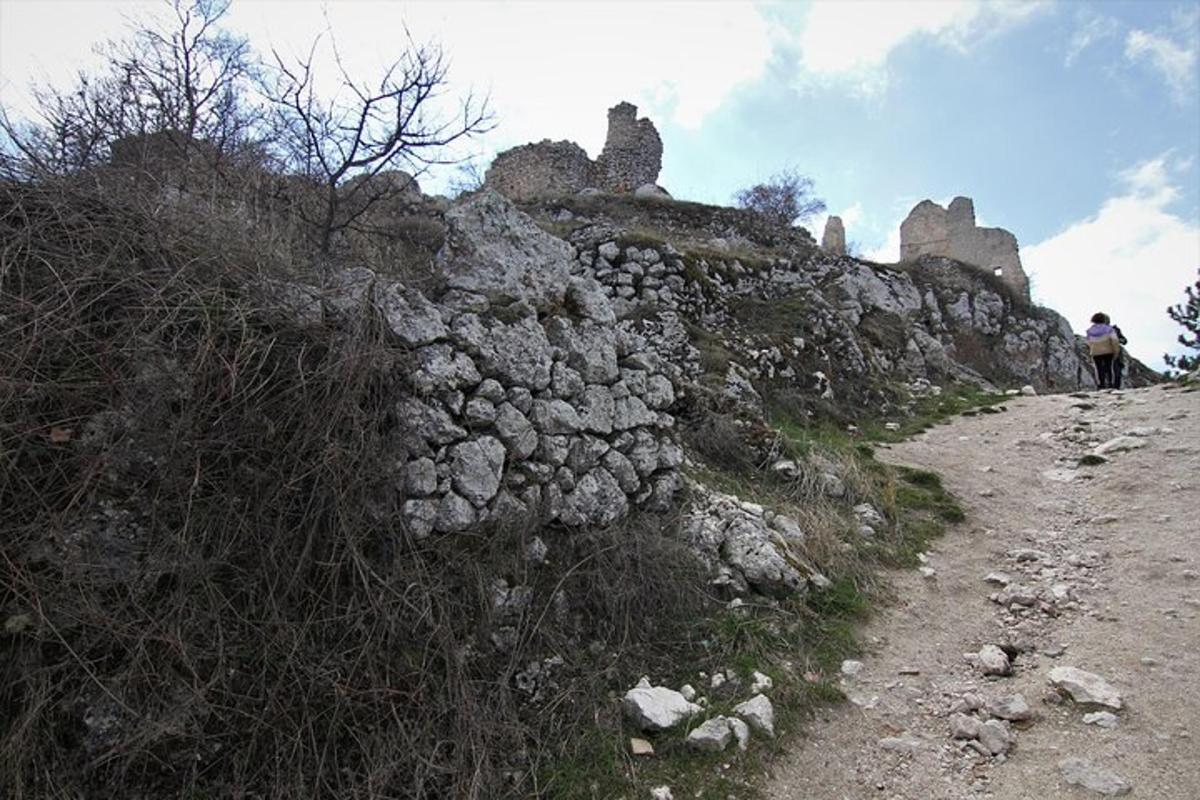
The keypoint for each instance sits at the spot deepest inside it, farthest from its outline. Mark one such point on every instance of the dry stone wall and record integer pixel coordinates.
(930, 230)
(520, 400)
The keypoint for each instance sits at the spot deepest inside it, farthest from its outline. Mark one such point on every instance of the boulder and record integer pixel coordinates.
(495, 250)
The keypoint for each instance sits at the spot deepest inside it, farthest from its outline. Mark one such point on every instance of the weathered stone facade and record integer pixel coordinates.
(632, 155)
(631, 160)
(833, 240)
(544, 169)
(930, 230)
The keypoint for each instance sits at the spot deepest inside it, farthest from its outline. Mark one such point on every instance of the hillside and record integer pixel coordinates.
(405, 529)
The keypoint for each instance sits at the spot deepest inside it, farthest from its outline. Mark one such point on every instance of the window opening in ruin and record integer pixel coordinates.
(998, 271)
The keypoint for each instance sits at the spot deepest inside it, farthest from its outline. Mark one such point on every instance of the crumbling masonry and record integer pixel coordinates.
(631, 159)
(951, 232)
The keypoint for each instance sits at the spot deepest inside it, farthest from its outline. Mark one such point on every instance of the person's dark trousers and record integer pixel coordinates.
(1104, 371)
(1117, 368)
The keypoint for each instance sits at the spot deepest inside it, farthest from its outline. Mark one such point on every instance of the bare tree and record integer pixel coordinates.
(185, 78)
(344, 144)
(784, 199)
(468, 177)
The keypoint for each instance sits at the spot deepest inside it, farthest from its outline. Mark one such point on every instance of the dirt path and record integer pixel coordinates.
(1112, 553)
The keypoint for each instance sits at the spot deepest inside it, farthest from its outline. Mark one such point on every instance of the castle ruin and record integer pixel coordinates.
(930, 230)
(833, 240)
(631, 159)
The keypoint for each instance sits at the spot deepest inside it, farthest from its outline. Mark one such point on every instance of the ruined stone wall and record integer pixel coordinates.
(632, 155)
(508, 410)
(544, 169)
(631, 159)
(930, 230)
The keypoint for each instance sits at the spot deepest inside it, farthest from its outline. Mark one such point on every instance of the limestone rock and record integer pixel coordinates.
(657, 708)
(993, 661)
(410, 315)
(420, 477)
(516, 431)
(1013, 708)
(995, 737)
(454, 514)
(964, 727)
(1102, 719)
(1085, 688)
(554, 417)
(476, 467)
(421, 516)
(711, 736)
(597, 499)
(1083, 773)
(440, 369)
(758, 713)
(495, 250)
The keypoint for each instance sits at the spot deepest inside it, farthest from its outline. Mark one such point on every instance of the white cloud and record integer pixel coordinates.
(1093, 28)
(1172, 56)
(1131, 259)
(889, 251)
(852, 41)
(551, 69)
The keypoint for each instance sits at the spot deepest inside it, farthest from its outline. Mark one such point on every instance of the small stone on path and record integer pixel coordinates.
(1085, 687)
(1079, 772)
(1103, 719)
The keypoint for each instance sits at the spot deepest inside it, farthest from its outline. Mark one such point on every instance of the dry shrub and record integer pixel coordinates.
(205, 587)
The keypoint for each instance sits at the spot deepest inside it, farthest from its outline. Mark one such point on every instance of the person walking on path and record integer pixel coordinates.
(1119, 361)
(1104, 347)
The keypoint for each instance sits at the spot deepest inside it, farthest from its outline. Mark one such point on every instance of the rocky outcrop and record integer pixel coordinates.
(930, 230)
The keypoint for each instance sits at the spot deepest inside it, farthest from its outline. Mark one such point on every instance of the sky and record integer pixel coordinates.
(1075, 125)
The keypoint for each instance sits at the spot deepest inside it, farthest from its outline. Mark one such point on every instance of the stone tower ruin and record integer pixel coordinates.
(833, 240)
(631, 159)
(632, 155)
(930, 230)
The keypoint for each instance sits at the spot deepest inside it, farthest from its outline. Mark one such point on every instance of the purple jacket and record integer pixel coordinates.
(1099, 331)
